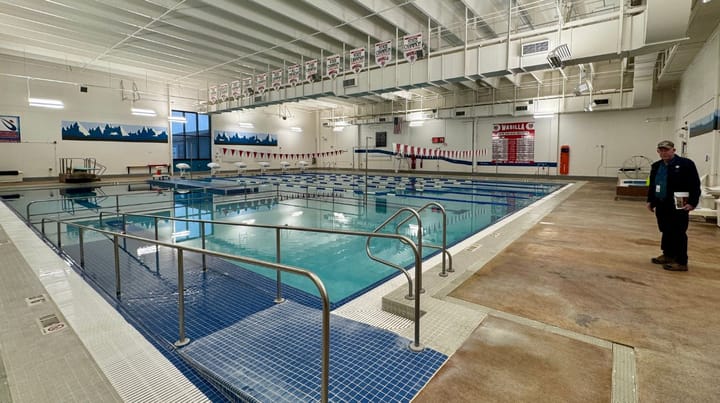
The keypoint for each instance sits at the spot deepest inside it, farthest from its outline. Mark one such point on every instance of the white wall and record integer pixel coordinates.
(698, 99)
(41, 137)
(268, 120)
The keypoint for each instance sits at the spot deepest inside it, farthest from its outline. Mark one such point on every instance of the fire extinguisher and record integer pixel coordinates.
(564, 159)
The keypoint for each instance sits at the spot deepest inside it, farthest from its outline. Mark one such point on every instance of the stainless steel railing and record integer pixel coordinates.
(417, 252)
(182, 339)
(443, 247)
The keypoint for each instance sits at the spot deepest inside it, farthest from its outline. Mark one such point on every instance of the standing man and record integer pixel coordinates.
(671, 174)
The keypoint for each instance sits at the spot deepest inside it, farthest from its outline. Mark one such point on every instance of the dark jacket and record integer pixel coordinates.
(682, 176)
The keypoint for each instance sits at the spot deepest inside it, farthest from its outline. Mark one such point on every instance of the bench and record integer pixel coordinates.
(11, 176)
(149, 167)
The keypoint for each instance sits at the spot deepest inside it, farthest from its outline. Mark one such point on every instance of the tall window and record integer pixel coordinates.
(191, 140)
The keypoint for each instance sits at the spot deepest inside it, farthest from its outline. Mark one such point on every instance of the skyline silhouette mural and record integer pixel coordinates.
(245, 139)
(93, 131)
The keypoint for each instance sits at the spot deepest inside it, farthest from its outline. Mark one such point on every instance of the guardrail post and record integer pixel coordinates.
(202, 237)
(182, 340)
(124, 230)
(116, 247)
(117, 204)
(82, 248)
(42, 226)
(278, 294)
(59, 236)
(415, 345)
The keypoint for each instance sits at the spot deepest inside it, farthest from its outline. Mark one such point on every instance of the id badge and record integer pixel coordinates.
(657, 188)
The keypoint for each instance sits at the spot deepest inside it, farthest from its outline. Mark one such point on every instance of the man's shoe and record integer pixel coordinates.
(662, 259)
(675, 267)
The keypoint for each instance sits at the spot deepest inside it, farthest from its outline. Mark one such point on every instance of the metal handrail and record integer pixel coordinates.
(417, 252)
(116, 206)
(182, 339)
(443, 247)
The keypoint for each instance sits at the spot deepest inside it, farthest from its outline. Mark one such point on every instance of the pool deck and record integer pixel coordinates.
(559, 303)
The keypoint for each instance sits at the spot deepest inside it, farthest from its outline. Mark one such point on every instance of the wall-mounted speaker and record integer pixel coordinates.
(83, 88)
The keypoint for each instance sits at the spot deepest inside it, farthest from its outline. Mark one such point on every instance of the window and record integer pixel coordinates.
(380, 139)
(191, 140)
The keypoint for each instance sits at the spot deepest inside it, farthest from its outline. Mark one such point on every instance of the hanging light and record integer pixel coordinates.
(177, 119)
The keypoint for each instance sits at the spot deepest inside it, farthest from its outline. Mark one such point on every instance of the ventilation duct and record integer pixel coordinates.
(643, 80)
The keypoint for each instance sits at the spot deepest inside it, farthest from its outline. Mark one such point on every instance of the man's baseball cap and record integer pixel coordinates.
(666, 144)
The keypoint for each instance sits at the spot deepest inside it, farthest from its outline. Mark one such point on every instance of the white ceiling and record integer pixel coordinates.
(205, 42)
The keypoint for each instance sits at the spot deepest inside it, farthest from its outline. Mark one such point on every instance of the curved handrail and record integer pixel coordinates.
(182, 340)
(388, 263)
(443, 247)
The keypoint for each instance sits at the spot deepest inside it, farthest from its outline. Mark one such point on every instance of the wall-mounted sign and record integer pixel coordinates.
(213, 94)
(224, 92)
(513, 142)
(276, 78)
(383, 53)
(235, 89)
(9, 129)
(261, 82)
(311, 70)
(357, 59)
(247, 85)
(438, 140)
(293, 73)
(412, 44)
(332, 66)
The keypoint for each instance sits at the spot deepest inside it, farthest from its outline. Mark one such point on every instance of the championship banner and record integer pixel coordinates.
(513, 142)
(261, 82)
(357, 59)
(235, 89)
(276, 78)
(383, 53)
(247, 84)
(224, 92)
(293, 74)
(311, 69)
(332, 66)
(412, 44)
(213, 94)
(9, 129)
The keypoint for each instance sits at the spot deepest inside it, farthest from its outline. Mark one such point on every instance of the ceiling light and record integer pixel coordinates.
(338, 128)
(143, 112)
(296, 129)
(416, 123)
(177, 119)
(543, 115)
(246, 125)
(46, 103)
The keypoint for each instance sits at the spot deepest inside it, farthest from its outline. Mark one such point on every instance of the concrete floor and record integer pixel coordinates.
(585, 268)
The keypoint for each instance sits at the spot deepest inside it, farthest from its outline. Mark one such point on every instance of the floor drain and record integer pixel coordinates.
(35, 300)
(473, 247)
(50, 324)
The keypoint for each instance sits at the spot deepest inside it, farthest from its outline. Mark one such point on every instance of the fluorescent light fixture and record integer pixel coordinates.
(296, 129)
(416, 123)
(543, 115)
(177, 119)
(46, 103)
(180, 234)
(143, 112)
(706, 1)
(338, 128)
(246, 125)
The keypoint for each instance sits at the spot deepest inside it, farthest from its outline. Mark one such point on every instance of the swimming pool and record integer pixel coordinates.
(326, 201)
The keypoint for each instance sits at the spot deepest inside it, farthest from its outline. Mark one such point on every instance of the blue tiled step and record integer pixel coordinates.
(274, 355)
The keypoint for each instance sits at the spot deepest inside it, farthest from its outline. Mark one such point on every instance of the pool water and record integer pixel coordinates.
(339, 260)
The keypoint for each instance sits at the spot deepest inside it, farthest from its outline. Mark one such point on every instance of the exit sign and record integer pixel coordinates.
(438, 140)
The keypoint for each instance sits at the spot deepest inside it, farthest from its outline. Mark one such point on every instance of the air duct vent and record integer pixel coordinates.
(350, 82)
(459, 113)
(521, 108)
(382, 119)
(535, 48)
(601, 101)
